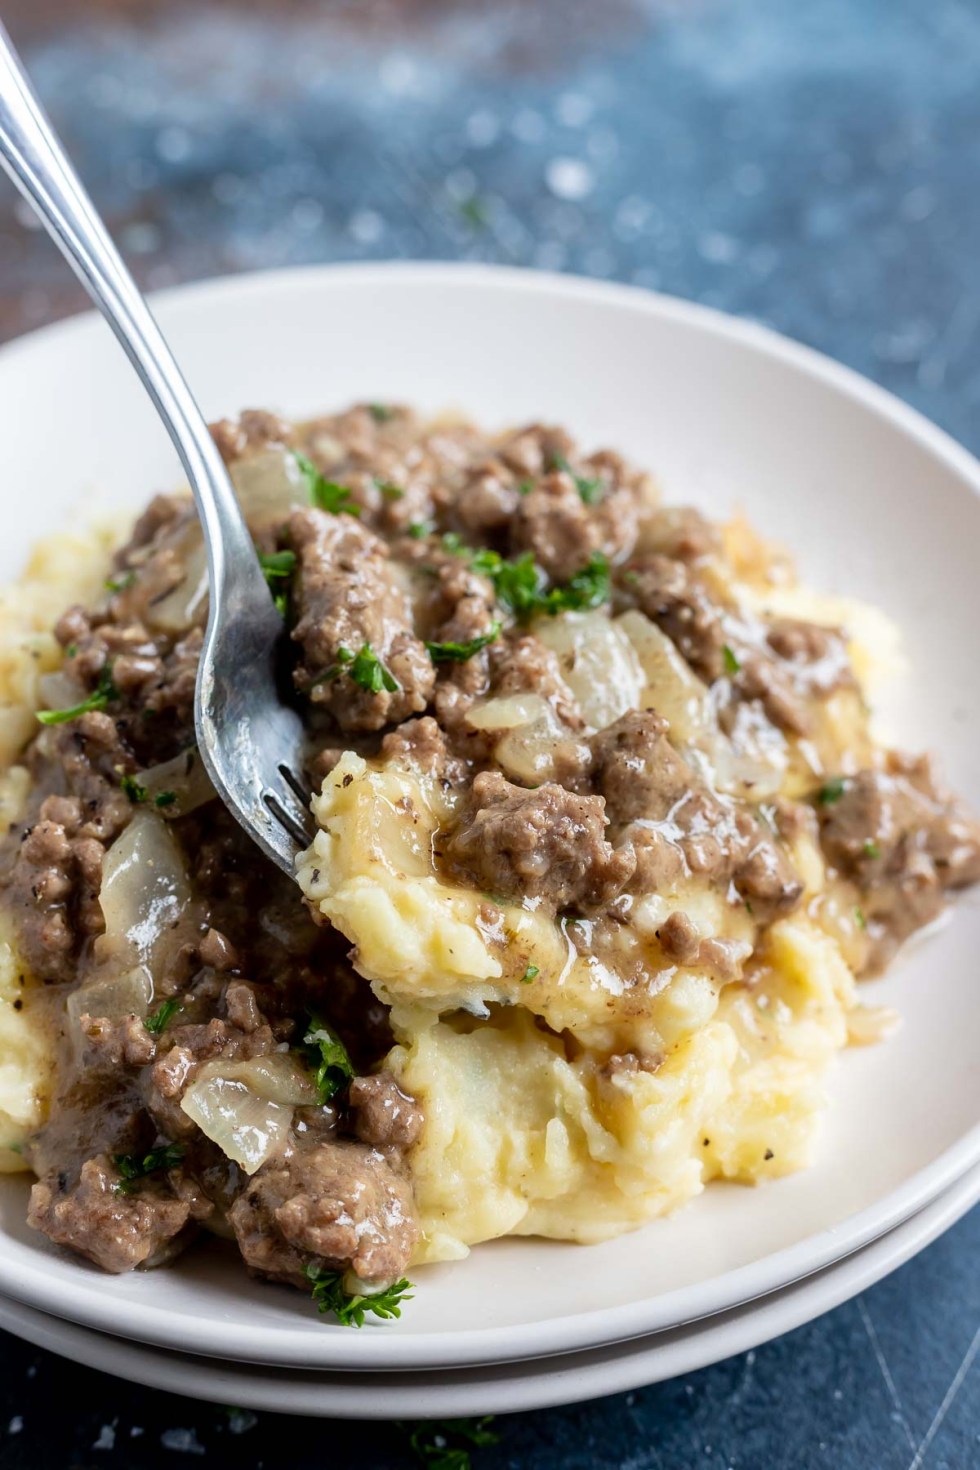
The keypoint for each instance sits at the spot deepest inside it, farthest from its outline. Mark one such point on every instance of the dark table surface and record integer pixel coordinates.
(812, 166)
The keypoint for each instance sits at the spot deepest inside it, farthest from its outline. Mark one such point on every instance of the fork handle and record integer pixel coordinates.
(32, 155)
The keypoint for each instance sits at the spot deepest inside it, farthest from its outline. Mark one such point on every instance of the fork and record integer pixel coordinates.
(249, 738)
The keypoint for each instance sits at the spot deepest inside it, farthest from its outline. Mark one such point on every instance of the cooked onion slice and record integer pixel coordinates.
(247, 1128)
(183, 778)
(144, 892)
(112, 994)
(269, 484)
(598, 663)
(278, 1078)
(531, 735)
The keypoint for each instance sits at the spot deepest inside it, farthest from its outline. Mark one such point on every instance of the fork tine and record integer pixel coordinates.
(287, 820)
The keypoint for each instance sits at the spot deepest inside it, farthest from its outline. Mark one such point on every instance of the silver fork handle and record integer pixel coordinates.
(33, 157)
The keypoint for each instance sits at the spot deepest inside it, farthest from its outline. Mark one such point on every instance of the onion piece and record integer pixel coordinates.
(247, 1128)
(144, 893)
(279, 1078)
(533, 742)
(112, 994)
(598, 663)
(672, 687)
(183, 777)
(269, 484)
(185, 605)
(59, 690)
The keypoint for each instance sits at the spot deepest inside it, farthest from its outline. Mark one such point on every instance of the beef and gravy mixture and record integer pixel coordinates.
(449, 601)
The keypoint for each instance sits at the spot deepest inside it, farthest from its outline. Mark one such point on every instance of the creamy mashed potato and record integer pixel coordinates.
(629, 1098)
(64, 568)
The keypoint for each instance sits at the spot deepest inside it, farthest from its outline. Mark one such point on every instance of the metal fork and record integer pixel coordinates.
(249, 739)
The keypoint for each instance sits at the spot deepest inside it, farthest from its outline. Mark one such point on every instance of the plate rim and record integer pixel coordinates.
(545, 1384)
(93, 1307)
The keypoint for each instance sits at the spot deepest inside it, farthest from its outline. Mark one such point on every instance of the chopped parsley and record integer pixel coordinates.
(531, 973)
(277, 568)
(589, 488)
(380, 412)
(328, 1058)
(325, 494)
(525, 487)
(432, 1441)
(418, 530)
(453, 542)
(351, 1308)
(104, 691)
(871, 849)
(474, 211)
(831, 791)
(458, 653)
(165, 798)
(160, 1019)
(134, 1167)
(364, 667)
(119, 584)
(389, 491)
(731, 660)
(133, 789)
(520, 584)
(859, 919)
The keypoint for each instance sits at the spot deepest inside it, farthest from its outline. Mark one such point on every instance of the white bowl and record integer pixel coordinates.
(877, 503)
(508, 1388)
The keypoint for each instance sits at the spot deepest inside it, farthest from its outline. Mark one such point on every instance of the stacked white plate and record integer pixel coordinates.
(877, 503)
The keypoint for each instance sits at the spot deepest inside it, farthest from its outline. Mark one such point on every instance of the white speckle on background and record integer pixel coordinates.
(528, 126)
(632, 215)
(240, 1421)
(917, 204)
(182, 1441)
(136, 1431)
(574, 109)
(106, 1439)
(307, 214)
(400, 76)
(717, 248)
(140, 237)
(366, 226)
(569, 178)
(16, 1424)
(482, 128)
(173, 144)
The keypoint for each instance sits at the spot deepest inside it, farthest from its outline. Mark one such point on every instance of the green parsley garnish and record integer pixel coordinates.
(520, 584)
(380, 412)
(277, 568)
(327, 1056)
(474, 212)
(531, 973)
(325, 494)
(443, 653)
(389, 491)
(160, 1019)
(525, 487)
(831, 791)
(119, 584)
(134, 1167)
(364, 667)
(350, 1308)
(590, 489)
(859, 919)
(430, 1441)
(133, 789)
(165, 798)
(453, 542)
(731, 661)
(871, 849)
(418, 530)
(104, 691)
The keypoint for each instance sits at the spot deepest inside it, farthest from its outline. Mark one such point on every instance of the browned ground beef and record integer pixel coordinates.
(401, 623)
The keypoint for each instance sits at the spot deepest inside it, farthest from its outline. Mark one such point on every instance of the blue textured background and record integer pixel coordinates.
(814, 166)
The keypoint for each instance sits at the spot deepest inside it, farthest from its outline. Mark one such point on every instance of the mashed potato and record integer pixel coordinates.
(559, 1100)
